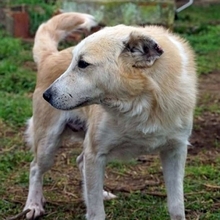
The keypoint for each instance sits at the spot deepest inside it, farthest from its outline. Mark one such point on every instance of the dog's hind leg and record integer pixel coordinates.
(173, 163)
(45, 139)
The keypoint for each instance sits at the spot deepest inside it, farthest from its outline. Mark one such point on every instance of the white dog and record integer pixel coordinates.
(131, 89)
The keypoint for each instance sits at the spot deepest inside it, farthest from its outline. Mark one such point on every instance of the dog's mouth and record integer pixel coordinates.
(84, 103)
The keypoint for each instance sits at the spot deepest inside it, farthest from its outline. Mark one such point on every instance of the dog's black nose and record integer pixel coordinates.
(47, 95)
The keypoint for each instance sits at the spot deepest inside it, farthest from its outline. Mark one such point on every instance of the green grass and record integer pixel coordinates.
(201, 26)
(17, 80)
(62, 185)
(17, 108)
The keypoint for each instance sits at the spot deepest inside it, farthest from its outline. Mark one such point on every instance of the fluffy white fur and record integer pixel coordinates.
(135, 90)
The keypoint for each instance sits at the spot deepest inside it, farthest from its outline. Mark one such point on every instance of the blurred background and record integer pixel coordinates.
(138, 184)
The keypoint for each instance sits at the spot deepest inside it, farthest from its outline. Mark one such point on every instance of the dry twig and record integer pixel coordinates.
(211, 186)
(18, 216)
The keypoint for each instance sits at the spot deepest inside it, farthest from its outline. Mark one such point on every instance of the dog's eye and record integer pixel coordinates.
(83, 64)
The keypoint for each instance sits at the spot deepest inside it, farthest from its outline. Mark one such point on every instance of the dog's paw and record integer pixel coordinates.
(108, 195)
(36, 210)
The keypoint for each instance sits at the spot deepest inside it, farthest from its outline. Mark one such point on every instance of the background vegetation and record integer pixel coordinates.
(138, 184)
(39, 11)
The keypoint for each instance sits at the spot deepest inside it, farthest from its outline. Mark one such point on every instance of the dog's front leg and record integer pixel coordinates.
(106, 195)
(93, 175)
(173, 163)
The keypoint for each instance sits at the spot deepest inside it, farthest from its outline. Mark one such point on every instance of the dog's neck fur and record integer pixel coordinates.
(140, 113)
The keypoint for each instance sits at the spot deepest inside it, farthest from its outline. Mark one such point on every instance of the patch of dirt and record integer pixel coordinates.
(206, 132)
(210, 83)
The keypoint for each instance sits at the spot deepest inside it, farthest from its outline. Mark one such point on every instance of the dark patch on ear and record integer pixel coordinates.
(158, 49)
(143, 50)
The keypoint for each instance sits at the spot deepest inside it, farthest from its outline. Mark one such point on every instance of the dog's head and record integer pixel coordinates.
(110, 63)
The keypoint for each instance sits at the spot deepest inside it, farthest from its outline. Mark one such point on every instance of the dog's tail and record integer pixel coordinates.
(49, 34)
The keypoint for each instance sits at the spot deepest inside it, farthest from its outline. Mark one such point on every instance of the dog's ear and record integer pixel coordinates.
(142, 50)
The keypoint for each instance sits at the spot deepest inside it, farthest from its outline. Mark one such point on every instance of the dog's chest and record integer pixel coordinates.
(127, 137)
(144, 142)
(135, 144)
